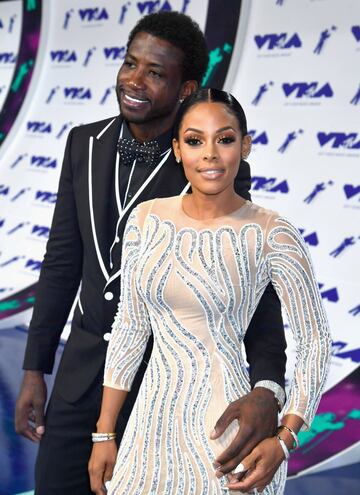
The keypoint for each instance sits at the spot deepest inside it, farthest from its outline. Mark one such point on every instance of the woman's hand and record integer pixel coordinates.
(259, 467)
(101, 465)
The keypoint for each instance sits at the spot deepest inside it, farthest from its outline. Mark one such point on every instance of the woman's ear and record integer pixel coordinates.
(246, 146)
(176, 149)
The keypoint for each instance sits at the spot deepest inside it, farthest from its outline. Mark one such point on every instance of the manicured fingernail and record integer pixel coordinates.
(40, 430)
(240, 468)
(213, 433)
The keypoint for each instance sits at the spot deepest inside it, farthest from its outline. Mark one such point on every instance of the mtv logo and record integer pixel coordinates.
(150, 7)
(7, 58)
(331, 295)
(45, 197)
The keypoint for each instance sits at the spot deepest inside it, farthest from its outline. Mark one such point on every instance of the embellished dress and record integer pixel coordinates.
(195, 285)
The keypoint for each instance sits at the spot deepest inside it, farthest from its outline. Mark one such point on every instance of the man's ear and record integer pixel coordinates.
(246, 146)
(187, 88)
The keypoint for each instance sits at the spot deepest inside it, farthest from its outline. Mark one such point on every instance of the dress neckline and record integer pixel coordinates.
(210, 220)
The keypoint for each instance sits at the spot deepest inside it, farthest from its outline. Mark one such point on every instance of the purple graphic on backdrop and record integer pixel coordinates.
(355, 311)
(20, 193)
(52, 93)
(356, 98)
(346, 243)
(123, 10)
(11, 23)
(324, 36)
(261, 91)
(17, 227)
(336, 426)
(28, 47)
(317, 189)
(89, 54)
(18, 160)
(289, 139)
(64, 128)
(356, 32)
(67, 17)
(108, 91)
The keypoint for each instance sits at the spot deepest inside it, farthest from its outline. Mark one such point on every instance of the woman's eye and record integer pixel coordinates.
(226, 140)
(192, 141)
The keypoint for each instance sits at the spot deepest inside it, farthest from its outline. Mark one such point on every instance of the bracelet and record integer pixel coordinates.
(293, 434)
(102, 437)
(284, 448)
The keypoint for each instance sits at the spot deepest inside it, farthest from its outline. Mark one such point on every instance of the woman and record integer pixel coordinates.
(194, 269)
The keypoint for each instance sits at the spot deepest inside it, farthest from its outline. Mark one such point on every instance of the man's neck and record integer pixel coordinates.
(150, 130)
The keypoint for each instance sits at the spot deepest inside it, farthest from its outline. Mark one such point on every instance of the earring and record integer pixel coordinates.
(181, 100)
(178, 159)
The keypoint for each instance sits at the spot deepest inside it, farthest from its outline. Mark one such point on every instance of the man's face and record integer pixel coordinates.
(149, 81)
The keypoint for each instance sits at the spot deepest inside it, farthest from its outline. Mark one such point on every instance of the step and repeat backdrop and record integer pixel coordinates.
(293, 64)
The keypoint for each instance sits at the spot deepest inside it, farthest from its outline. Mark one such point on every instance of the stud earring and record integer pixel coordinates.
(178, 159)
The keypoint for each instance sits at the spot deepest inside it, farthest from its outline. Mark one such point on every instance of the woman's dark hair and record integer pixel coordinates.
(183, 33)
(211, 95)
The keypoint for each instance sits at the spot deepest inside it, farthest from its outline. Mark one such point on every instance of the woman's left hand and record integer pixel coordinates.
(259, 467)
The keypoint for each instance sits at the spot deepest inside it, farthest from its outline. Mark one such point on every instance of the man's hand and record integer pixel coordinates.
(101, 465)
(257, 414)
(29, 410)
(259, 466)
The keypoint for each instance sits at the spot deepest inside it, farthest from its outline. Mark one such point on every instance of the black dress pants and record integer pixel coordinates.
(64, 451)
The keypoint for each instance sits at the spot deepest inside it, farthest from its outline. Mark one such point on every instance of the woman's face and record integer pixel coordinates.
(210, 147)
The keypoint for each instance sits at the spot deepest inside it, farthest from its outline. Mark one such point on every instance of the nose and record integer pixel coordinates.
(210, 152)
(136, 79)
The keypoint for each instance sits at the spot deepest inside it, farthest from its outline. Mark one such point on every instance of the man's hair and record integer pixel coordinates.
(182, 32)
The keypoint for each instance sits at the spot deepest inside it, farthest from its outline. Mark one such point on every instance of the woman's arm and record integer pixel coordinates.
(129, 336)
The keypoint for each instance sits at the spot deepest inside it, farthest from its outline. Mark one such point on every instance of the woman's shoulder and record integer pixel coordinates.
(260, 214)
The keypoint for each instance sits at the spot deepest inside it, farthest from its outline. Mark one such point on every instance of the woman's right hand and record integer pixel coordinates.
(101, 465)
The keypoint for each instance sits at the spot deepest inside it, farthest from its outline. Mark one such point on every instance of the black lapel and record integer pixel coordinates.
(102, 171)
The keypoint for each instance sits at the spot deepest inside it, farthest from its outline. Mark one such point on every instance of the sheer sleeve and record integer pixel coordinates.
(131, 327)
(291, 273)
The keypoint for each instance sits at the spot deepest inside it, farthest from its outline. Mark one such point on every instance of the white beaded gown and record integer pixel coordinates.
(195, 285)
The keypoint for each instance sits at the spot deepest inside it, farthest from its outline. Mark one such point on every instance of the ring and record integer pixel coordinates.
(240, 468)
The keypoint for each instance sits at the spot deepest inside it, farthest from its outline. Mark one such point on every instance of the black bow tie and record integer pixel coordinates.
(146, 153)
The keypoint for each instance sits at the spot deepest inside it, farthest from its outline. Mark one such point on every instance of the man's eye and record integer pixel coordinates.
(193, 141)
(155, 74)
(129, 64)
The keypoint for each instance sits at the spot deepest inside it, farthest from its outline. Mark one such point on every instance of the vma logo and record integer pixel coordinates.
(63, 56)
(77, 94)
(7, 58)
(352, 194)
(336, 140)
(356, 32)
(114, 53)
(310, 239)
(258, 137)
(43, 162)
(35, 127)
(331, 295)
(271, 184)
(45, 197)
(282, 41)
(93, 14)
(40, 231)
(308, 90)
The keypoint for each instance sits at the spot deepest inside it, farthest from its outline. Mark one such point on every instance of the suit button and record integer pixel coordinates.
(107, 336)
(117, 239)
(109, 296)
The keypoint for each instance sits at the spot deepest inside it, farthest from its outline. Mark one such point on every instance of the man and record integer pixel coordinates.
(101, 181)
